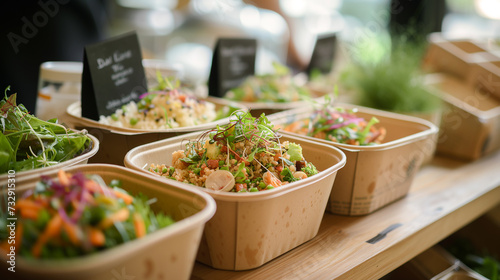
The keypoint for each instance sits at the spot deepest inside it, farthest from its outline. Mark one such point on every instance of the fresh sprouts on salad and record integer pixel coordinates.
(340, 125)
(28, 143)
(245, 155)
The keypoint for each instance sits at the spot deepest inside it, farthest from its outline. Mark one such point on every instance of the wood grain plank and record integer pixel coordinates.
(445, 196)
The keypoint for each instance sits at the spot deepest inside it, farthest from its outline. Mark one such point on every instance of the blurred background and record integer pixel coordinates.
(183, 32)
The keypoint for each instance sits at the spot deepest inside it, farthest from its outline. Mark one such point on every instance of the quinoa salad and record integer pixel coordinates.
(245, 155)
(163, 108)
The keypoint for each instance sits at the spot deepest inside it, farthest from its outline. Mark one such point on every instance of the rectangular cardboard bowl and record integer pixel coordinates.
(375, 175)
(78, 160)
(116, 141)
(455, 57)
(250, 229)
(470, 125)
(168, 253)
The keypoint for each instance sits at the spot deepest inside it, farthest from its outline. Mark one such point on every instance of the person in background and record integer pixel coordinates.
(32, 32)
(416, 18)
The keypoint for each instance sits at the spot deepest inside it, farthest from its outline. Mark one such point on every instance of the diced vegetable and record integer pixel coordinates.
(245, 155)
(78, 215)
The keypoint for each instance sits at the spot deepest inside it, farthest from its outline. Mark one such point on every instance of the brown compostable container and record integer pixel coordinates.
(117, 141)
(470, 125)
(250, 229)
(166, 253)
(374, 175)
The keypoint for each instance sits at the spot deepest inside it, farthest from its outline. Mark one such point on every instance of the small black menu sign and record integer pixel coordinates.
(323, 54)
(233, 60)
(112, 76)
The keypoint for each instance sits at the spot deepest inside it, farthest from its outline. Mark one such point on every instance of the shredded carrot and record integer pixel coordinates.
(96, 237)
(118, 216)
(139, 225)
(4, 246)
(28, 204)
(92, 186)
(63, 178)
(52, 229)
(19, 237)
(29, 213)
(73, 232)
(128, 199)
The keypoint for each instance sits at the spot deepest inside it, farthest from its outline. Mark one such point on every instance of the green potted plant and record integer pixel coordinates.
(384, 73)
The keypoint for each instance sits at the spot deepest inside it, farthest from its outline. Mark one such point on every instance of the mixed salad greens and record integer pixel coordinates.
(245, 155)
(277, 87)
(28, 143)
(339, 125)
(79, 214)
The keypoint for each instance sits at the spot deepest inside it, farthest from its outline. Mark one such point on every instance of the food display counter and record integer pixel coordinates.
(446, 195)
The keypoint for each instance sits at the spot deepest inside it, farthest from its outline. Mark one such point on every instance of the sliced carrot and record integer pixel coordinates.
(118, 216)
(73, 232)
(128, 199)
(5, 246)
(28, 204)
(19, 237)
(96, 237)
(63, 178)
(93, 186)
(139, 225)
(29, 213)
(52, 229)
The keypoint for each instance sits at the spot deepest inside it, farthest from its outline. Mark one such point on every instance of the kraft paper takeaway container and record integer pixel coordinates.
(250, 229)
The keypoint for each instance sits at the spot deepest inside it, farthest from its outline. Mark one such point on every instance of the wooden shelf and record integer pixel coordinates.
(445, 196)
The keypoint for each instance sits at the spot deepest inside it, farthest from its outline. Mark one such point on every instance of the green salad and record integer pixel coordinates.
(277, 87)
(78, 214)
(245, 155)
(28, 143)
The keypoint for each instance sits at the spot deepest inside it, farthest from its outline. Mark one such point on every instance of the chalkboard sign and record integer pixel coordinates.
(323, 54)
(112, 76)
(233, 60)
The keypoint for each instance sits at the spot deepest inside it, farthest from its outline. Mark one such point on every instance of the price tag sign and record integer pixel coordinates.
(233, 60)
(323, 54)
(112, 76)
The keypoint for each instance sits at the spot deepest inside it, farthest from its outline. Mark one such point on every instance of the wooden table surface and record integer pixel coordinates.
(446, 195)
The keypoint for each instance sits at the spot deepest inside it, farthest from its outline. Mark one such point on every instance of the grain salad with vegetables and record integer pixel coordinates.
(165, 107)
(77, 214)
(245, 155)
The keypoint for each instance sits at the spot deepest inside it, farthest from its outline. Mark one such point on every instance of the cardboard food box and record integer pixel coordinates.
(470, 125)
(455, 57)
(21, 176)
(485, 76)
(379, 174)
(116, 141)
(250, 229)
(166, 253)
